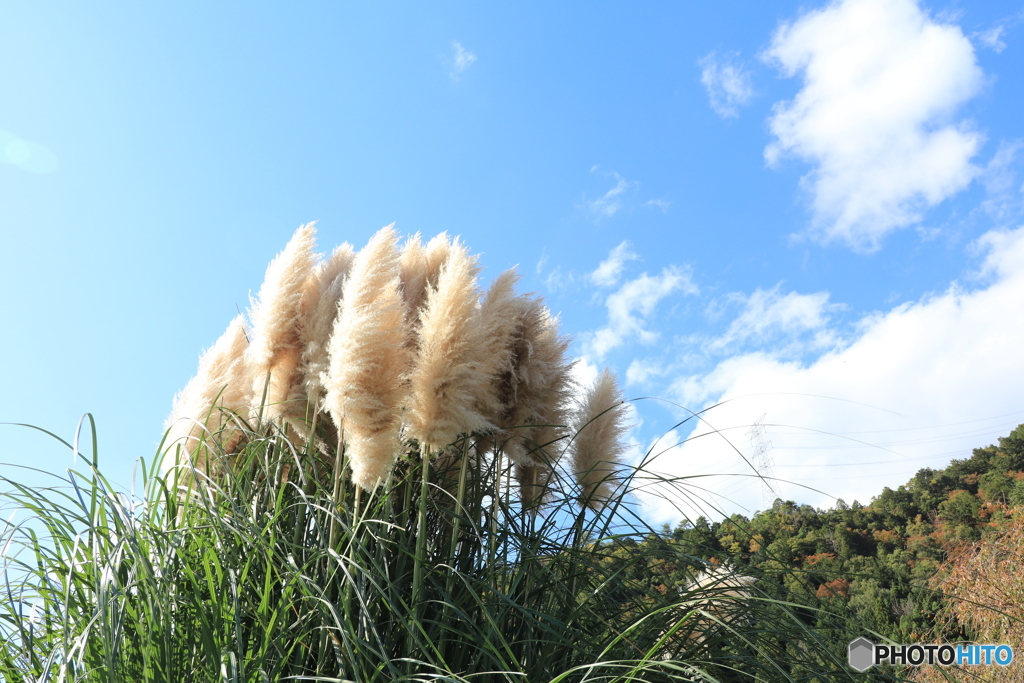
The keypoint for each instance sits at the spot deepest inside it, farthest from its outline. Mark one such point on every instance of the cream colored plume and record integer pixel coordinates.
(498, 322)
(319, 311)
(221, 382)
(535, 391)
(368, 361)
(412, 261)
(601, 424)
(554, 388)
(451, 372)
(421, 267)
(436, 252)
(277, 319)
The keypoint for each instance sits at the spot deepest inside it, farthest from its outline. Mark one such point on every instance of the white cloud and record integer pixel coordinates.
(662, 204)
(621, 195)
(542, 261)
(462, 59)
(632, 304)
(920, 384)
(608, 272)
(1004, 200)
(584, 373)
(767, 312)
(559, 280)
(727, 82)
(992, 38)
(881, 84)
(610, 202)
(640, 370)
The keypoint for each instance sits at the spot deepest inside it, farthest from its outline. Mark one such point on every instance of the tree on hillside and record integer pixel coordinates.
(984, 588)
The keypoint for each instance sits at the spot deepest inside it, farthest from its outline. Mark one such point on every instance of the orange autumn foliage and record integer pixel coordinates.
(985, 597)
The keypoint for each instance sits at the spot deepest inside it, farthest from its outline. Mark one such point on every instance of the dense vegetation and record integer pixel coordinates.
(890, 566)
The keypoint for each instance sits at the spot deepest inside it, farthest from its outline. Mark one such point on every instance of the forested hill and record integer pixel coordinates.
(879, 562)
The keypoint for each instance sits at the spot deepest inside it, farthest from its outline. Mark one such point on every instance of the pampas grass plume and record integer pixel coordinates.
(412, 261)
(320, 310)
(597, 446)
(498, 323)
(435, 253)
(221, 381)
(554, 386)
(368, 361)
(421, 267)
(536, 385)
(531, 485)
(276, 319)
(385, 340)
(447, 376)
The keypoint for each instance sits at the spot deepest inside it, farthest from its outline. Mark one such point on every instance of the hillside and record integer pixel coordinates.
(877, 567)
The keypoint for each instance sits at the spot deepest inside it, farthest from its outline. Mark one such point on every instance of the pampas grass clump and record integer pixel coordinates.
(391, 351)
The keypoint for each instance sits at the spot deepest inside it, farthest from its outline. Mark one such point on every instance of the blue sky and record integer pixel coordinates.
(811, 211)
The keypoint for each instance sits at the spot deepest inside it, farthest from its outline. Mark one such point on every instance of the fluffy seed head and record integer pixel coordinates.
(320, 309)
(368, 361)
(384, 339)
(601, 425)
(536, 390)
(447, 377)
(498, 323)
(277, 317)
(413, 264)
(420, 269)
(221, 382)
(435, 253)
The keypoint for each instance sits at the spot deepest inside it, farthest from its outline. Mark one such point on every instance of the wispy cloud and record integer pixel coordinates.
(608, 204)
(462, 59)
(662, 204)
(621, 195)
(640, 370)
(559, 280)
(632, 305)
(608, 272)
(881, 83)
(727, 82)
(992, 38)
(1004, 197)
(542, 261)
(768, 315)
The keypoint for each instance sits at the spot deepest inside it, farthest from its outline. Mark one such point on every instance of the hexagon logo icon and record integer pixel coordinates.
(861, 655)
